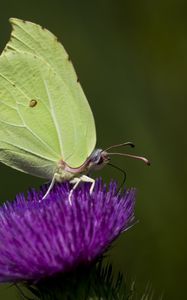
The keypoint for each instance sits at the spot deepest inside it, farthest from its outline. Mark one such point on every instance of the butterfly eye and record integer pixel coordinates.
(32, 103)
(96, 156)
(96, 159)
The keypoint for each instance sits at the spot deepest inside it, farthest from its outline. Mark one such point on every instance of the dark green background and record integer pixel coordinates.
(131, 58)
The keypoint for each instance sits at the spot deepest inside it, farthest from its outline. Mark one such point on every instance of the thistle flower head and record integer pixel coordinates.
(40, 238)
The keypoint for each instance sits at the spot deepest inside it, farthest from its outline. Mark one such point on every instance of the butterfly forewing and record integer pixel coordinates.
(32, 38)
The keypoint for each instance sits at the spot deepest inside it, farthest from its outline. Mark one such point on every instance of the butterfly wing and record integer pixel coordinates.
(44, 114)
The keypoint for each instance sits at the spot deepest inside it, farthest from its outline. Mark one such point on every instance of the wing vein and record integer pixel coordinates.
(11, 124)
(29, 34)
(54, 117)
(4, 103)
(28, 151)
(18, 39)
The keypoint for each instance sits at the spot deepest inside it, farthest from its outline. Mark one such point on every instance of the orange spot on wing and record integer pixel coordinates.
(32, 103)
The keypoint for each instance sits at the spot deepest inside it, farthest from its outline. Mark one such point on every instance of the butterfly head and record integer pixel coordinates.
(98, 159)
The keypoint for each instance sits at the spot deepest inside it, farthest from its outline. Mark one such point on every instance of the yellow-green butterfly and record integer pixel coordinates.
(47, 128)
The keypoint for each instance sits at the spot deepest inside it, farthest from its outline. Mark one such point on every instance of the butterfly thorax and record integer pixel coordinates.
(96, 161)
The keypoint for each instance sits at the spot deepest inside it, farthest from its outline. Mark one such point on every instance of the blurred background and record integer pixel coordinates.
(131, 59)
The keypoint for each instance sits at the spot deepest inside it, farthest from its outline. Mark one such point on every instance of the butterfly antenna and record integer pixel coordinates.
(145, 160)
(120, 145)
(124, 175)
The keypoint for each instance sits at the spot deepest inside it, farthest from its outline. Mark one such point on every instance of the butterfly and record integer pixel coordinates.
(47, 128)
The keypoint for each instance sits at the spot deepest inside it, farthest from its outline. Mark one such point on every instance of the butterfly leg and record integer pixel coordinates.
(88, 179)
(77, 180)
(51, 185)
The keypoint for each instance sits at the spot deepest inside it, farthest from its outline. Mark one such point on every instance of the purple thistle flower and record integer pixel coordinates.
(39, 238)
